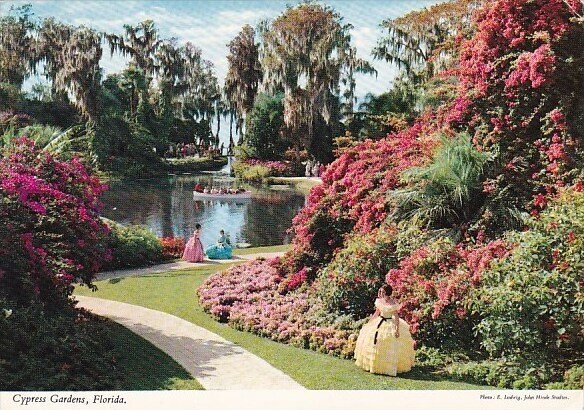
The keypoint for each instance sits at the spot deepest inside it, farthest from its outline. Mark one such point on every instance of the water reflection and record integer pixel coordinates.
(166, 206)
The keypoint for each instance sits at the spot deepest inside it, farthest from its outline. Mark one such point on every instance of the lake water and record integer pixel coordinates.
(166, 206)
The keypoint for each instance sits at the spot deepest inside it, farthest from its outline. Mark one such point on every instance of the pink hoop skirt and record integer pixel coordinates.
(194, 250)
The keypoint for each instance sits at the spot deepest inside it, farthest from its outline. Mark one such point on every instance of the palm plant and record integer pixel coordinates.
(447, 192)
(74, 140)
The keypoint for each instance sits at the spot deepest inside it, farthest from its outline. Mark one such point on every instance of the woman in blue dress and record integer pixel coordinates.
(222, 249)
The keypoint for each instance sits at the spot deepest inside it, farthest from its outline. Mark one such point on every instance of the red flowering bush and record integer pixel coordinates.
(433, 284)
(172, 248)
(50, 232)
(518, 75)
(352, 196)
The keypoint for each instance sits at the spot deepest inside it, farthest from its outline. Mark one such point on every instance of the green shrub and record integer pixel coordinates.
(532, 302)
(503, 373)
(251, 173)
(573, 379)
(263, 126)
(349, 284)
(133, 246)
(70, 350)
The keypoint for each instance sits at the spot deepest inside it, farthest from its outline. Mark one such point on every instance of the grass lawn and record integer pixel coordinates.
(301, 184)
(174, 293)
(262, 249)
(147, 367)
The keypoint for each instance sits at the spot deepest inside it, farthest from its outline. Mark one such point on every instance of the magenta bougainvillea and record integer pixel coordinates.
(50, 231)
(434, 280)
(517, 77)
(352, 196)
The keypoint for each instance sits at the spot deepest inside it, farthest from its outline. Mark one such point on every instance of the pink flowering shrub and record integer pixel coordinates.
(517, 77)
(256, 170)
(352, 196)
(433, 283)
(50, 232)
(277, 168)
(248, 297)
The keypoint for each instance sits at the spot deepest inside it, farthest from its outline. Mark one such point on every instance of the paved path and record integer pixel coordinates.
(165, 267)
(215, 362)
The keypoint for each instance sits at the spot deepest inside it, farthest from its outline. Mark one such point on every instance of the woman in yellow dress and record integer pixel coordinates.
(385, 345)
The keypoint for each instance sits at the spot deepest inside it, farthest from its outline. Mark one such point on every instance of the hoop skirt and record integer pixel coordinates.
(219, 251)
(194, 250)
(378, 350)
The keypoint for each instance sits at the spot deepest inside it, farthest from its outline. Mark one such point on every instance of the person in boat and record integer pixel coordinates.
(206, 190)
(214, 191)
(385, 345)
(194, 248)
(199, 187)
(222, 249)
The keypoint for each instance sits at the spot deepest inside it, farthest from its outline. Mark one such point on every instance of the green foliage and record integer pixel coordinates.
(194, 164)
(448, 191)
(349, 284)
(71, 350)
(263, 128)
(251, 173)
(74, 141)
(532, 303)
(126, 149)
(503, 374)
(573, 379)
(133, 246)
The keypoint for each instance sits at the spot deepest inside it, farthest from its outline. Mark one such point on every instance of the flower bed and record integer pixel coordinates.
(250, 297)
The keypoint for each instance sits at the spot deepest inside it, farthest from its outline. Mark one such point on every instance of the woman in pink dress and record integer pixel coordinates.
(194, 248)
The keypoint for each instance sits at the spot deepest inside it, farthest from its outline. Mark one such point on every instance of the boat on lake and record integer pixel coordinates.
(201, 196)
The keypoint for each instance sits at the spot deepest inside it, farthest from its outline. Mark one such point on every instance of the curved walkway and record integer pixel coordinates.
(215, 362)
(165, 267)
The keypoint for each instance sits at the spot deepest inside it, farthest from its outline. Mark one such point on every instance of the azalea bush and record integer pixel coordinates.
(172, 248)
(256, 170)
(50, 232)
(250, 297)
(433, 284)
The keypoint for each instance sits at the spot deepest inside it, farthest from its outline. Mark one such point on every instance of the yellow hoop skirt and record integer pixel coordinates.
(385, 354)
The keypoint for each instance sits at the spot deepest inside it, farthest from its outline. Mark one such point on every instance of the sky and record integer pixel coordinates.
(211, 24)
